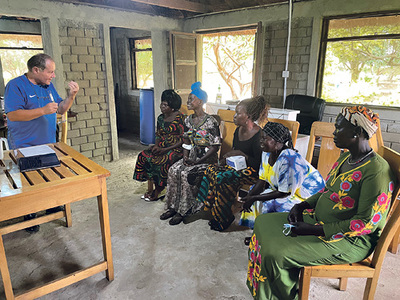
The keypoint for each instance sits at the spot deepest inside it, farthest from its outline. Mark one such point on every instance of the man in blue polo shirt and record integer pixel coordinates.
(31, 103)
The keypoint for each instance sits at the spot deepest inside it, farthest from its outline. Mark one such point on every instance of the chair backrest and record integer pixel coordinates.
(311, 110)
(184, 110)
(227, 130)
(376, 141)
(393, 224)
(62, 121)
(328, 152)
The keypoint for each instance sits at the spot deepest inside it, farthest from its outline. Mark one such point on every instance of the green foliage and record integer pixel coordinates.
(13, 61)
(364, 70)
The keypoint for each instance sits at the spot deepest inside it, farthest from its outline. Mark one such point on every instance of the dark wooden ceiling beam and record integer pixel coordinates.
(179, 5)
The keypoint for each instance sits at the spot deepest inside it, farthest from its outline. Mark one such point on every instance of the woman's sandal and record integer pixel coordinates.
(168, 214)
(146, 196)
(247, 240)
(176, 219)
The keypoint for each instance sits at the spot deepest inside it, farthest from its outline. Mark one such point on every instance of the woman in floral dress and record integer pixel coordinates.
(200, 147)
(340, 224)
(154, 163)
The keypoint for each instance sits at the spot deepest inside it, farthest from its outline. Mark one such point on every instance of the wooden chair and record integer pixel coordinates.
(368, 268)
(328, 152)
(185, 110)
(62, 121)
(228, 128)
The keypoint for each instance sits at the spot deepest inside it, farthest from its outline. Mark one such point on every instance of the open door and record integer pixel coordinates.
(257, 66)
(183, 62)
(187, 63)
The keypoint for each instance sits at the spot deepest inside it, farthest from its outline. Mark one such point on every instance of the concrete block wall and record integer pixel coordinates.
(390, 124)
(83, 61)
(275, 43)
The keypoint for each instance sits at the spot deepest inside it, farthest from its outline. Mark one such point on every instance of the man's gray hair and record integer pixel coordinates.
(38, 60)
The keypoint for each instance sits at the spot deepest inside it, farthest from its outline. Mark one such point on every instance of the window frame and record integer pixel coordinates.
(325, 40)
(257, 56)
(133, 51)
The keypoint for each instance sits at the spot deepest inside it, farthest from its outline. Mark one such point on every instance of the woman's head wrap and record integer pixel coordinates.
(198, 92)
(361, 116)
(279, 133)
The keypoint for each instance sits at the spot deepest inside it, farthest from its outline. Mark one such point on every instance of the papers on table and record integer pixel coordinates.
(36, 150)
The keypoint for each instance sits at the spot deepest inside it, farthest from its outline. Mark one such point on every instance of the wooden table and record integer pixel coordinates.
(76, 179)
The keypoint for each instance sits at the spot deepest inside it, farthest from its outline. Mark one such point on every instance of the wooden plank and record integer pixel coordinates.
(105, 229)
(63, 282)
(179, 4)
(83, 160)
(64, 171)
(34, 177)
(75, 166)
(68, 215)
(48, 195)
(36, 221)
(50, 175)
(5, 274)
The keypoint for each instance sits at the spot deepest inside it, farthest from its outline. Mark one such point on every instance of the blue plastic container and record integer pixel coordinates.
(147, 128)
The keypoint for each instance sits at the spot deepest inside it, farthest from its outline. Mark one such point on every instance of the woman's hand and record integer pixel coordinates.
(157, 150)
(295, 214)
(247, 201)
(188, 162)
(302, 228)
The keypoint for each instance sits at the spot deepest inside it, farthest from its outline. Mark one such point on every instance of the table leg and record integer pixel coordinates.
(68, 215)
(5, 274)
(105, 229)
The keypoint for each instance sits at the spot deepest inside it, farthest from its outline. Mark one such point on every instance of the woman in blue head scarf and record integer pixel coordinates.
(200, 146)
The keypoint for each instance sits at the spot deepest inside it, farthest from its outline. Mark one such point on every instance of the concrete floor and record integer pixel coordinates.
(152, 259)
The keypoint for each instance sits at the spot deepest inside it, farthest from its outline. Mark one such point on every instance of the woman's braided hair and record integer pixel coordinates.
(256, 108)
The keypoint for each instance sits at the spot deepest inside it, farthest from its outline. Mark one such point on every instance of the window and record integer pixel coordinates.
(142, 63)
(360, 60)
(227, 64)
(15, 50)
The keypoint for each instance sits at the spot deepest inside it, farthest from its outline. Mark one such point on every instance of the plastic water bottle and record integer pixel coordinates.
(218, 98)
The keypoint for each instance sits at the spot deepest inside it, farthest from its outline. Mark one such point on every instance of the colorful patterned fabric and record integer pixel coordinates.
(181, 195)
(155, 167)
(352, 209)
(361, 116)
(292, 174)
(220, 184)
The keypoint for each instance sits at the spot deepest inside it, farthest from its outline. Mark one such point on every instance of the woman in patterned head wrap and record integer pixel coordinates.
(288, 177)
(200, 146)
(339, 224)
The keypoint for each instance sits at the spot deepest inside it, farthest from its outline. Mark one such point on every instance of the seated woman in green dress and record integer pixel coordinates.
(154, 163)
(340, 224)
